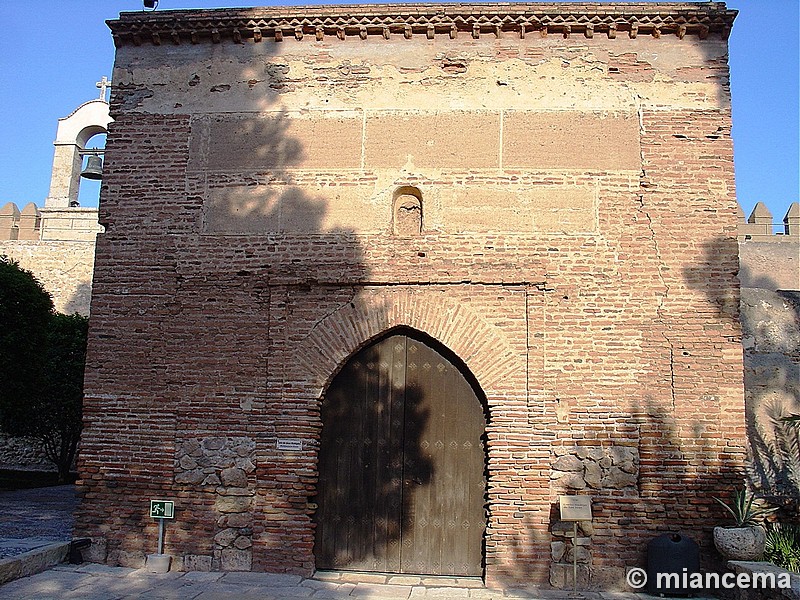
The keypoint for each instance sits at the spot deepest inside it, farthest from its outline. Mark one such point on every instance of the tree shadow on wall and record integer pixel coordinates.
(245, 273)
(203, 248)
(682, 458)
(771, 330)
(770, 324)
(715, 276)
(80, 300)
(267, 240)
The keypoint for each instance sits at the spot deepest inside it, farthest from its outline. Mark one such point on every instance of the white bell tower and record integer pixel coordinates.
(89, 119)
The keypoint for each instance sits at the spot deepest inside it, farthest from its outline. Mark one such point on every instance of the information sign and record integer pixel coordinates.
(289, 445)
(576, 508)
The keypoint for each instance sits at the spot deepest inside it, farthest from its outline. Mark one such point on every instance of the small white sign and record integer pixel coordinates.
(289, 445)
(576, 508)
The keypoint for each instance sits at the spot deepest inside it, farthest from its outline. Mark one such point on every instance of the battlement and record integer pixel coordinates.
(769, 259)
(759, 226)
(48, 224)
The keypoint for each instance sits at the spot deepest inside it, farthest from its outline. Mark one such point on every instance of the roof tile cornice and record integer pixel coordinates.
(242, 25)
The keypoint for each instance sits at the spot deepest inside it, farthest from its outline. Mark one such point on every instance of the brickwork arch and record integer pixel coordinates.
(479, 344)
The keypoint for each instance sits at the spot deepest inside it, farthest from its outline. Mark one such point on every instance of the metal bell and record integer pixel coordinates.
(94, 167)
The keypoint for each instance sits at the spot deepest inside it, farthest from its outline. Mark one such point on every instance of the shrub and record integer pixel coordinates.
(783, 545)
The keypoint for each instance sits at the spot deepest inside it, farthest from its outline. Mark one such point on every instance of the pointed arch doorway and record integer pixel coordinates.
(402, 463)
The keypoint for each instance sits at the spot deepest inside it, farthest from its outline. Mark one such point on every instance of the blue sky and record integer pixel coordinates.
(53, 51)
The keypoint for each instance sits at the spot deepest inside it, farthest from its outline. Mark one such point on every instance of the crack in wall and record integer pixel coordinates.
(662, 301)
(348, 303)
(646, 183)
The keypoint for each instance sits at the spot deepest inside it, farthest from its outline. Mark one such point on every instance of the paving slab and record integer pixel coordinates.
(383, 591)
(101, 582)
(331, 590)
(261, 579)
(444, 593)
(48, 584)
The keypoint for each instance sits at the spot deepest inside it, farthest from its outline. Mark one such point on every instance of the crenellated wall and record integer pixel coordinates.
(769, 253)
(770, 315)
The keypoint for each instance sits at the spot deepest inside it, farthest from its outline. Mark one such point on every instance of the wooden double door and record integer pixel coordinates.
(401, 464)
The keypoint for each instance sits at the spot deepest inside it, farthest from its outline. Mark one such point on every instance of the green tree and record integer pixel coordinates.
(57, 415)
(25, 311)
(42, 360)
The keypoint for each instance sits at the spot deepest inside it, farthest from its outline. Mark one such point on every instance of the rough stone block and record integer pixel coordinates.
(226, 537)
(233, 559)
(233, 504)
(568, 463)
(196, 562)
(557, 550)
(562, 576)
(233, 477)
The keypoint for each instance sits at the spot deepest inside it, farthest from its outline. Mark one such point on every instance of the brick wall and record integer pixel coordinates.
(576, 248)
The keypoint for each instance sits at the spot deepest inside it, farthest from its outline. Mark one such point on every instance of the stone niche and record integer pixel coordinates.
(225, 466)
(407, 216)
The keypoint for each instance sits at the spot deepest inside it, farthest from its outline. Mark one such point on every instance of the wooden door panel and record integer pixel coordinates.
(401, 465)
(445, 514)
(360, 463)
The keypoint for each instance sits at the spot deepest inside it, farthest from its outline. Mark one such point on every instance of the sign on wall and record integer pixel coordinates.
(290, 445)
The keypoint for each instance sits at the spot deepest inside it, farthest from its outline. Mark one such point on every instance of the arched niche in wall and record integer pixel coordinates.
(73, 134)
(407, 211)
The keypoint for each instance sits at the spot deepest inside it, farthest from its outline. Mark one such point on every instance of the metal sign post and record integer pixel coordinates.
(161, 536)
(575, 508)
(161, 510)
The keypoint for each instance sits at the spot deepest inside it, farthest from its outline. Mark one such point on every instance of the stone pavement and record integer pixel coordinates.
(98, 582)
(36, 516)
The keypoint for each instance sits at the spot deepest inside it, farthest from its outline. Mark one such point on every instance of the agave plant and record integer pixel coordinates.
(742, 510)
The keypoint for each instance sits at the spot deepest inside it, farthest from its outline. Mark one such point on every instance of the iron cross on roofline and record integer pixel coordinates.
(103, 84)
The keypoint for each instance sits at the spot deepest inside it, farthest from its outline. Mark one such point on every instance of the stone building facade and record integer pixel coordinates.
(542, 195)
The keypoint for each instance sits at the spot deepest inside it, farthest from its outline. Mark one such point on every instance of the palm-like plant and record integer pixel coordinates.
(783, 546)
(744, 513)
